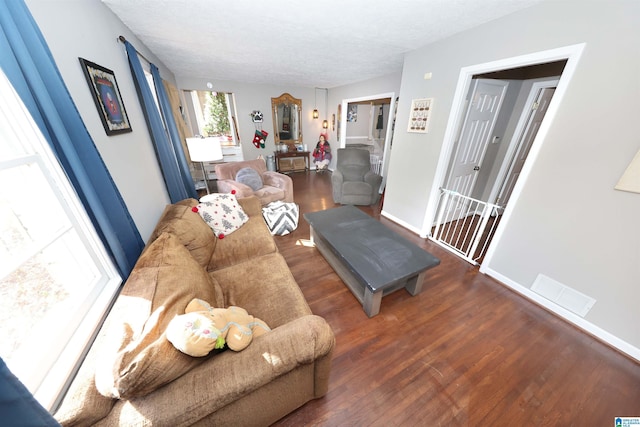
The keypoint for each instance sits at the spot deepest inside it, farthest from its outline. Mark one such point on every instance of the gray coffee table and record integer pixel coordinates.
(371, 259)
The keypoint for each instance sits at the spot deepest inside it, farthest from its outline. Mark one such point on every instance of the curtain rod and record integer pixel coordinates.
(121, 39)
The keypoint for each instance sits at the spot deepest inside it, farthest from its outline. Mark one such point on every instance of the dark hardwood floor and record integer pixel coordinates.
(467, 351)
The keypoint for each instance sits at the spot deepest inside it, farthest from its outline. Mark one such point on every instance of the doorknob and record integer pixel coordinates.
(476, 168)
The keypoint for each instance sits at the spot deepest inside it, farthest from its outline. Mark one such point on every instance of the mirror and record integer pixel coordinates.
(286, 112)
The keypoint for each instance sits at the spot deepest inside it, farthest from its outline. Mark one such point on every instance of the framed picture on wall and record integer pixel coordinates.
(419, 115)
(352, 113)
(106, 96)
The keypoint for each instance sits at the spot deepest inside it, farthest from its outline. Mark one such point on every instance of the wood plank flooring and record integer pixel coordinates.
(467, 351)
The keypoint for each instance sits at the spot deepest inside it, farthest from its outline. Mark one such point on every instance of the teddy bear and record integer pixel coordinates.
(203, 328)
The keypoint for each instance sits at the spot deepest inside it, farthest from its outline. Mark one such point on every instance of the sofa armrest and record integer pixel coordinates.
(336, 184)
(281, 181)
(228, 376)
(228, 185)
(373, 180)
(337, 177)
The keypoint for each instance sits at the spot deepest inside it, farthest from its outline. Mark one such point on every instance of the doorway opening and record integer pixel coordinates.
(503, 111)
(367, 123)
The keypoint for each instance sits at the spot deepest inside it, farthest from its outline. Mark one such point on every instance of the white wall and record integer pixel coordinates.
(384, 84)
(88, 29)
(568, 223)
(251, 97)
(258, 97)
(364, 89)
(360, 127)
(130, 157)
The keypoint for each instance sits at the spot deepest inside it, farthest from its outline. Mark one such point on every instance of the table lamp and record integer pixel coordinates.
(204, 150)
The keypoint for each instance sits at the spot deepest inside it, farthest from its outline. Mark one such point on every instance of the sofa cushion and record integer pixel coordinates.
(353, 172)
(269, 194)
(251, 240)
(265, 287)
(193, 233)
(352, 188)
(138, 358)
(222, 213)
(250, 177)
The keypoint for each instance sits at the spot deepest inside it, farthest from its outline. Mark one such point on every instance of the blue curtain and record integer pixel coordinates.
(174, 135)
(177, 188)
(18, 407)
(26, 60)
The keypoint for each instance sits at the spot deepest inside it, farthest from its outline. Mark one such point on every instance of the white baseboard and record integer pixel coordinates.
(399, 222)
(567, 315)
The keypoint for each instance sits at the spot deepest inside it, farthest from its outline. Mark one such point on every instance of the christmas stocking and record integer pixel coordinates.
(257, 139)
(264, 138)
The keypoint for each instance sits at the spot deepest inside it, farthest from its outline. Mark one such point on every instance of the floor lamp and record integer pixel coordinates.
(204, 150)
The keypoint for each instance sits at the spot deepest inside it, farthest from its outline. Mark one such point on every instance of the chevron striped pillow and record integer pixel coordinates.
(281, 217)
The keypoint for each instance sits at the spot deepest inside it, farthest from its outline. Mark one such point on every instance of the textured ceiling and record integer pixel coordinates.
(323, 43)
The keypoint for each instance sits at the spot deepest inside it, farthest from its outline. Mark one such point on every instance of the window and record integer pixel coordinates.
(212, 114)
(56, 280)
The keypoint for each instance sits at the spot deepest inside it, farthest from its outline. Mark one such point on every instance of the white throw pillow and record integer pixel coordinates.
(222, 213)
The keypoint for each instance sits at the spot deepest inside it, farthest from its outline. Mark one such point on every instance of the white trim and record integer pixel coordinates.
(399, 221)
(233, 124)
(508, 161)
(388, 133)
(63, 350)
(567, 315)
(571, 53)
(51, 391)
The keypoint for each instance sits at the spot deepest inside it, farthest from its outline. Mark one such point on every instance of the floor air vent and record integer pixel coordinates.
(563, 295)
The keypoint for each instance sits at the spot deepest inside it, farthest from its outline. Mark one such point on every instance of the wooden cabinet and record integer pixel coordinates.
(292, 161)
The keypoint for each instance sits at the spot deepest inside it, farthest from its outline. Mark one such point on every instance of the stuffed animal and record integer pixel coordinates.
(203, 328)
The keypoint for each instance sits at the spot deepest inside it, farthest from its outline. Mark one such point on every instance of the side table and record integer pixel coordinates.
(292, 161)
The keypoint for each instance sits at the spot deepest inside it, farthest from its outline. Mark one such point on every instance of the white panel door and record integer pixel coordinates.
(486, 100)
(536, 114)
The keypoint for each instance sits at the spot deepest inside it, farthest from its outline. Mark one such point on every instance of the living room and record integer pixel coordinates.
(554, 227)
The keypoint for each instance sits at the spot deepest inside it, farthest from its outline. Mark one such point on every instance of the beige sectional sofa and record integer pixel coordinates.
(133, 376)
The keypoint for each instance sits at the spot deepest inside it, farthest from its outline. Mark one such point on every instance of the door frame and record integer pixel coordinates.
(571, 54)
(388, 134)
(516, 140)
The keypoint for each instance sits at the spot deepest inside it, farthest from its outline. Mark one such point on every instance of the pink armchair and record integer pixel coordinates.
(267, 186)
